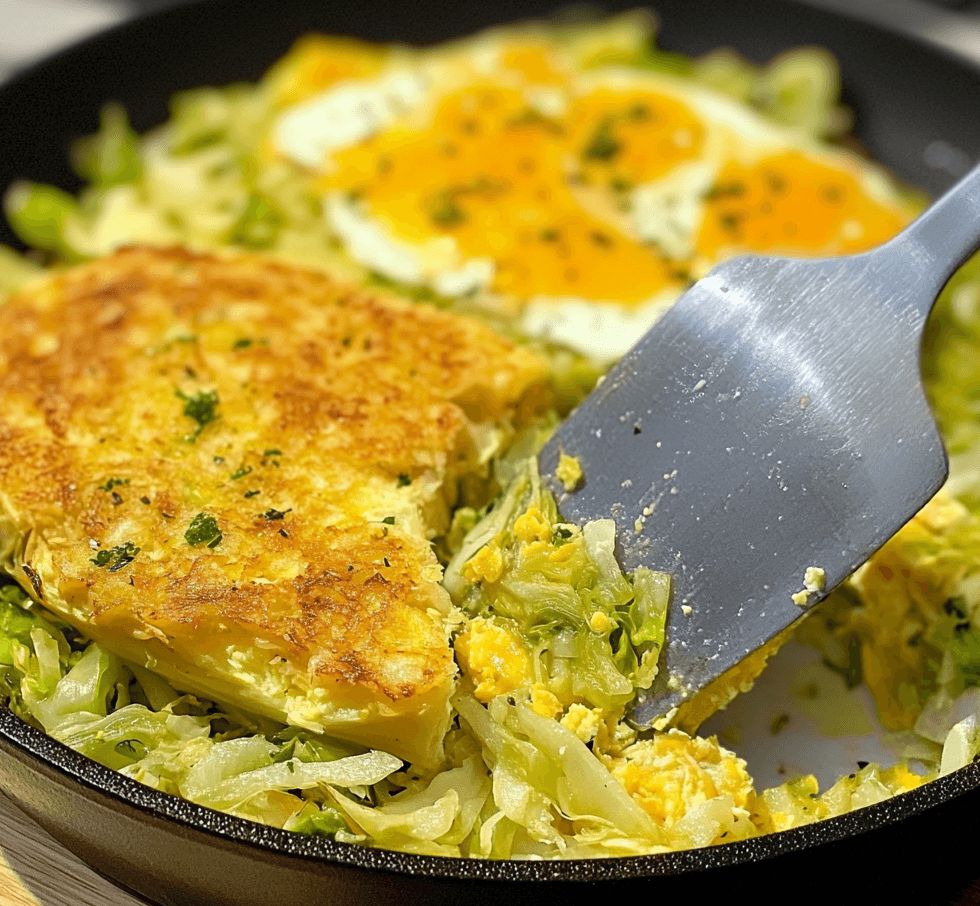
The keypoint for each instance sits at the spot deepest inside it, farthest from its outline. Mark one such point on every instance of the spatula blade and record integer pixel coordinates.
(750, 437)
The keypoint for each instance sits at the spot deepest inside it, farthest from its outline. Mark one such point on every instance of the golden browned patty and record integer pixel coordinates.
(230, 469)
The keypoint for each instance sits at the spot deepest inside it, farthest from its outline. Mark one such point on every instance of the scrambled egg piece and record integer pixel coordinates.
(584, 722)
(814, 582)
(493, 657)
(545, 702)
(486, 565)
(673, 773)
(569, 472)
(532, 525)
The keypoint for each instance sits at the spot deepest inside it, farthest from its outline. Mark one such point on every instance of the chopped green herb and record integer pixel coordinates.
(203, 530)
(252, 493)
(240, 472)
(271, 515)
(404, 480)
(218, 460)
(729, 222)
(200, 407)
(115, 558)
(243, 343)
(603, 145)
(775, 182)
(445, 211)
(389, 520)
(113, 483)
(272, 452)
(561, 535)
(134, 747)
(725, 190)
(778, 723)
(833, 194)
(531, 117)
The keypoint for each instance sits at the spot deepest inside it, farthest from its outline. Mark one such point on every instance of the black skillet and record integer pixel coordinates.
(916, 110)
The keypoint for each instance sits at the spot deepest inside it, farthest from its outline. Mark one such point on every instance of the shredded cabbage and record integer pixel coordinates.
(528, 768)
(595, 634)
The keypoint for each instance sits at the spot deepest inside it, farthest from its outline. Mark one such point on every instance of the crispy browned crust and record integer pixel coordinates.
(338, 411)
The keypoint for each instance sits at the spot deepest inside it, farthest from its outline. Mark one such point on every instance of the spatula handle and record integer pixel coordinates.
(936, 244)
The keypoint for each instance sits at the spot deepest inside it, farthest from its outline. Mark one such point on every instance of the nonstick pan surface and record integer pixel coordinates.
(916, 110)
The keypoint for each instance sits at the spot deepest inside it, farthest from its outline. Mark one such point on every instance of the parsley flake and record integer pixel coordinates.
(271, 515)
(113, 483)
(445, 211)
(115, 558)
(135, 747)
(200, 407)
(603, 145)
(561, 535)
(203, 530)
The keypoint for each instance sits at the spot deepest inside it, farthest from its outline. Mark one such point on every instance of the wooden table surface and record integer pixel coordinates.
(35, 870)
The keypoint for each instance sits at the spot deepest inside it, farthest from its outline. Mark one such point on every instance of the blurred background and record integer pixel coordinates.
(29, 29)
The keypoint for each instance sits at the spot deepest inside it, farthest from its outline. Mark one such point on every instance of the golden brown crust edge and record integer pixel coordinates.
(158, 399)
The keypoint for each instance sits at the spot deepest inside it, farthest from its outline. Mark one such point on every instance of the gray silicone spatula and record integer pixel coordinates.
(772, 421)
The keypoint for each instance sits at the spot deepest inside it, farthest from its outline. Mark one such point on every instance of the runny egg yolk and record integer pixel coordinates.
(544, 190)
(630, 137)
(507, 182)
(789, 203)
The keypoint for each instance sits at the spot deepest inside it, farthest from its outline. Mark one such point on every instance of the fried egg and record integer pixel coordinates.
(581, 196)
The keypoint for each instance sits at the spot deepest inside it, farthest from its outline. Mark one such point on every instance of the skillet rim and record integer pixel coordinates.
(83, 775)
(80, 774)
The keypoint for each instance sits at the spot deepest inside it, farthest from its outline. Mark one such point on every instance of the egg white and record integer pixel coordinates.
(347, 114)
